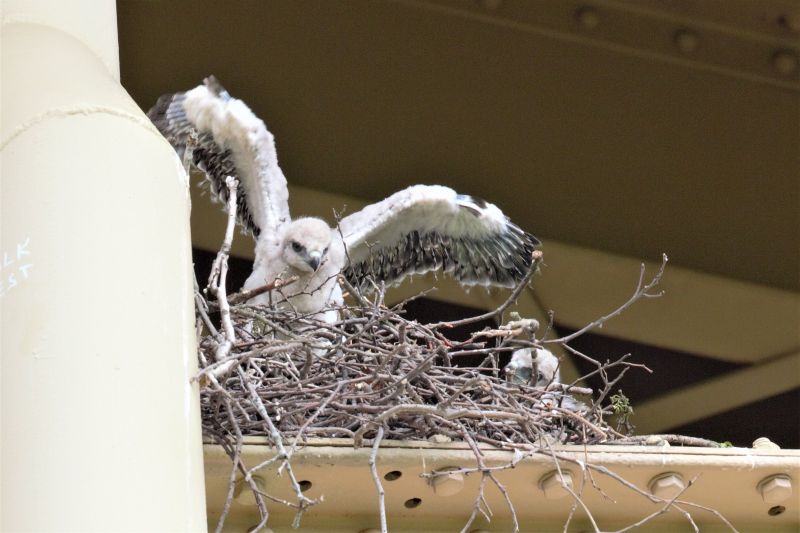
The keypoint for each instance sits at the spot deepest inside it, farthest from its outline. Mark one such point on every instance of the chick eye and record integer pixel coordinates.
(325, 251)
(296, 246)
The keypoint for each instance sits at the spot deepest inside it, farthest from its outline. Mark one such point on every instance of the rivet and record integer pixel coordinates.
(763, 443)
(447, 481)
(785, 62)
(587, 17)
(555, 485)
(667, 485)
(686, 41)
(775, 489)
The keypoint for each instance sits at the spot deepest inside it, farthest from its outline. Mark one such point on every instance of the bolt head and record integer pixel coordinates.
(763, 443)
(775, 489)
(554, 485)
(666, 486)
(446, 482)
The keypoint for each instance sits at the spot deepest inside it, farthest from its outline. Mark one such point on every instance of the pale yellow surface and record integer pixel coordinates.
(100, 424)
(725, 480)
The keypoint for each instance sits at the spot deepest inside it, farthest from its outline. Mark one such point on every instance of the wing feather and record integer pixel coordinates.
(229, 140)
(430, 227)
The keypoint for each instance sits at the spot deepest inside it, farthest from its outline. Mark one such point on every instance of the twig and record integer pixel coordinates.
(376, 479)
(244, 295)
(640, 292)
(661, 511)
(536, 259)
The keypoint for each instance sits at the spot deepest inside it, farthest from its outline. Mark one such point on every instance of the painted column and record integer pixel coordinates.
(99, 424)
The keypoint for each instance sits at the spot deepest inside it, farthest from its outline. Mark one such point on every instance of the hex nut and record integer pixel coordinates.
(775, 489)
(667, 485)
(447, 482)
(553, 484)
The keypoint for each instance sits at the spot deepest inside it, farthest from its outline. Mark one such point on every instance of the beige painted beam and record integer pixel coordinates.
(100, 424)
(725, 480)
(700, 313)
(717, 395)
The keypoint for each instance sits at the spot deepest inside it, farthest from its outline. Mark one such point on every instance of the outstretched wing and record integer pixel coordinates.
(229, 140)
(430, 227)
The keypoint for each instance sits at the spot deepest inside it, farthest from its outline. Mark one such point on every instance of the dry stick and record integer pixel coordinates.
(244, 295)
(575, 502)
(277, 441)
(672, 439)
(217, 280)
(712, 511)
(476, 507)
(373, 468)
(273, 350)
(231, 487)
(661, 511)
(467, 385)
(313, 417)
(447, 414)
(297, 437)
(640, 292)
(618, 478)
(577, 499)
(220, 267)
(262, 507)
(490, 474)
(201, 307)
(536, 259)
(688, 517)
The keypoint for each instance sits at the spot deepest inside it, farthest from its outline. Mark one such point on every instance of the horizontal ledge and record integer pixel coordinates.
(339, 477)
(260, 441)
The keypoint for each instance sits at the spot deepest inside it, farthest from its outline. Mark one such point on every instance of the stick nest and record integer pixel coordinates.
(377, 368)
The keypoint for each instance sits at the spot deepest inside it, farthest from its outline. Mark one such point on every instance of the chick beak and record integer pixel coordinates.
(314, 259)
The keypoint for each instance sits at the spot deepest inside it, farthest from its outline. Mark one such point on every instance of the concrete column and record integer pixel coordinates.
(99, 424)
